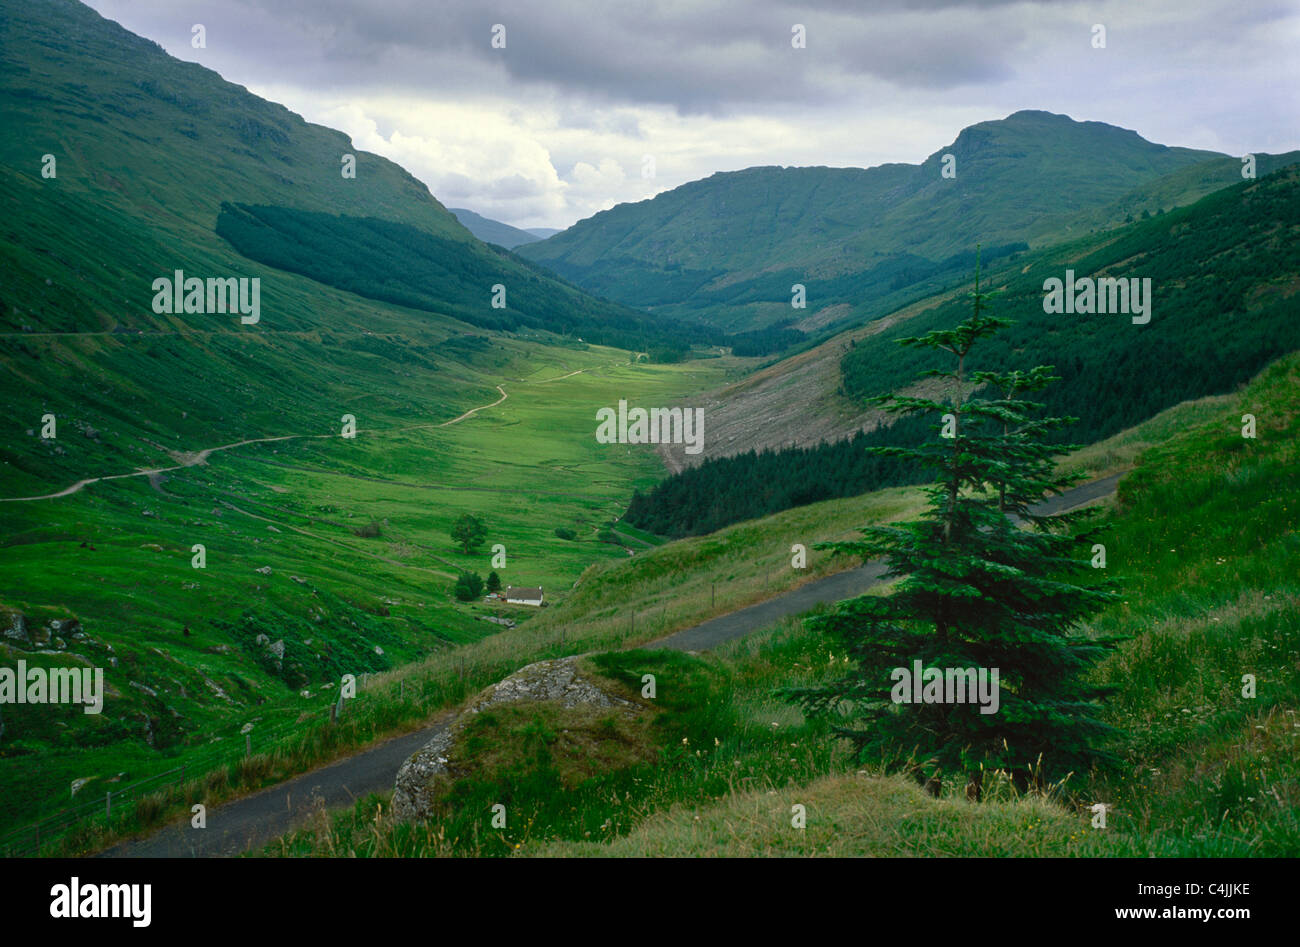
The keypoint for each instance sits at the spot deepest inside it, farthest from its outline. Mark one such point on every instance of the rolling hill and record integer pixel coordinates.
(727, 249)
(125, 206)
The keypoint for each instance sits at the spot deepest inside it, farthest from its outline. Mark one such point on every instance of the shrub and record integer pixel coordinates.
(468, 587)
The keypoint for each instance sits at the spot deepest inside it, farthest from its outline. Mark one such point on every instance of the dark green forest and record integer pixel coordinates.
(1223, 276)
(727, 490)
(397, 263)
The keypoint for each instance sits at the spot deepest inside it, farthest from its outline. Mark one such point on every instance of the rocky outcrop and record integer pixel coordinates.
(559, 681)
(16, 629)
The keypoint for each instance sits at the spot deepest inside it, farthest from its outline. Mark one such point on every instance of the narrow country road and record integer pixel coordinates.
(473, 411)
(252, 821)
(200, 457)
(837, 587)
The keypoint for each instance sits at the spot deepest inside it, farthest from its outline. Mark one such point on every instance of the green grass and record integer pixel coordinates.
(582, 774)
(1206, 544)
(1204, 539)
(297, 507)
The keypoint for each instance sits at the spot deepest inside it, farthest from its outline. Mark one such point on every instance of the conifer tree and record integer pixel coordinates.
(985, 582)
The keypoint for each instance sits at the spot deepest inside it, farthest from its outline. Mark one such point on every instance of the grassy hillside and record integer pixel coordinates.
(1205, 545)
(325, 555)
(354, 536)
(1204, 542)
(728, 248)
(1224, 276)
(397, 263)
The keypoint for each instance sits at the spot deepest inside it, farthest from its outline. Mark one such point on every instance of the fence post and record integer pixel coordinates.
(248, 745)
(108, 803)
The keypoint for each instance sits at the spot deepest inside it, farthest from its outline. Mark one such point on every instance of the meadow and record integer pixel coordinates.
(353, 539)
(1203, 537)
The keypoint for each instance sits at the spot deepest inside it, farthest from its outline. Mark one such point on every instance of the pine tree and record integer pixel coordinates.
(985, 582)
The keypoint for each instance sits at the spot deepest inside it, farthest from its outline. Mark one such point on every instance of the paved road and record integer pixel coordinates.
(837, 587)
(254, 820)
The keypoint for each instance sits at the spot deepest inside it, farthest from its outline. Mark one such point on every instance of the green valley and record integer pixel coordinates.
(387, 565)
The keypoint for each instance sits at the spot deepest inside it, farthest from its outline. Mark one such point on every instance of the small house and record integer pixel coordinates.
(518, 596)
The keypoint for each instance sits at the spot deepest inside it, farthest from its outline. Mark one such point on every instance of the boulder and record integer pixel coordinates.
(561, 681)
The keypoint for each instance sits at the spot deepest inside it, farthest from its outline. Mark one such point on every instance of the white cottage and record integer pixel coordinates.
(518, 596)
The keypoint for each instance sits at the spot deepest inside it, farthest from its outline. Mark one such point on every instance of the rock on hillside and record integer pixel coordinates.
(558, 681)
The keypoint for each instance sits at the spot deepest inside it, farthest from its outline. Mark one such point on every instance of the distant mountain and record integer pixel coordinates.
(493, 231)
(541, 233)
(727, 249)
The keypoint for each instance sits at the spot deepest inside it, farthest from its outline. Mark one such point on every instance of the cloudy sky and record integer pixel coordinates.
(559, 123)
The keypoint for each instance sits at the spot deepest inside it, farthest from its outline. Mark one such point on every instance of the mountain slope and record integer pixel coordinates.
(494, 231)
(1224, 276)
(193, 431)
(148, 150)
(728, 248)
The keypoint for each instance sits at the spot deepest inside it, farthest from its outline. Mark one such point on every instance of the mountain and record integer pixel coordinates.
(493, 231)
(1223, 274)
(727, 249)
(541, 233)
(160, 165)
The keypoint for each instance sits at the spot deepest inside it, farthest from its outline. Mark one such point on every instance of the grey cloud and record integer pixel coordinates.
(706, 56)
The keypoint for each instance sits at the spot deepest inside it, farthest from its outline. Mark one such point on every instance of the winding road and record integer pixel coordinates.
(252, 821)
(199, 457)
